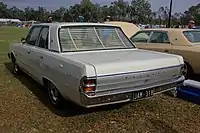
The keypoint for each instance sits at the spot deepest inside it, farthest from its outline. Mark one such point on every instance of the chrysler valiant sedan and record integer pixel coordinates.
(93, 64)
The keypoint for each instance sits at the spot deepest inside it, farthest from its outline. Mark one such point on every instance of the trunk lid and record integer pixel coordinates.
(117, 69)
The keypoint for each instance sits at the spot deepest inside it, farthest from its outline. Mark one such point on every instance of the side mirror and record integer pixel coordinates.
(23, 40)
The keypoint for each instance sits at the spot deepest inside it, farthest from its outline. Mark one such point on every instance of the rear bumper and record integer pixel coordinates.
(94, 101)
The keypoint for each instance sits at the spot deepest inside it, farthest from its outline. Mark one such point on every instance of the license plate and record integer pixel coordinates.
(142, 94)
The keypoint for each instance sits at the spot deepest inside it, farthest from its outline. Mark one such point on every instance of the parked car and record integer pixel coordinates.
(128, 28)
(93, 64)
(184, 42)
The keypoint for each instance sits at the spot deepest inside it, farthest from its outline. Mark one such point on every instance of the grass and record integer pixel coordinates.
(10, 35)
(24, 108)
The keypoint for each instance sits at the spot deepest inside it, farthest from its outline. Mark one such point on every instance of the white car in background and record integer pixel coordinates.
(93, 64)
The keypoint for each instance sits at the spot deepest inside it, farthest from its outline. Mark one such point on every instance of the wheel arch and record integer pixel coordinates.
(12, 56)
(45, 81)
(188, 64)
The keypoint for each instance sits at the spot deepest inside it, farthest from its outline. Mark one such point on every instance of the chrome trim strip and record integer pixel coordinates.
(117, 98)
(178, 81)
(117, 74)
(109, 103)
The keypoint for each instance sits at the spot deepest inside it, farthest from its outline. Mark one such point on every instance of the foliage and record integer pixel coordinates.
(138, 10)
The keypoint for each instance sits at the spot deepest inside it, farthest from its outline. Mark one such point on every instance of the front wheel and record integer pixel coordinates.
(16, 70)
(55, 97)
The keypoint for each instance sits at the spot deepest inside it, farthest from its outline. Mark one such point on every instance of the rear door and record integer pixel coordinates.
(141, 38)
(38, 53)
(159, 41)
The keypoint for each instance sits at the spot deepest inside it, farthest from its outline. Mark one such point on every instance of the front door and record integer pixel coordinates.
(141, 38)
(29, 48)
(159, 41)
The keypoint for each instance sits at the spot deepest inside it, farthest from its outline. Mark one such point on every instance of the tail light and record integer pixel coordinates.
(88, 86)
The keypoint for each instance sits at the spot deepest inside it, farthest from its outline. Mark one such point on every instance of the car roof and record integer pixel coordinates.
(128, 28)
(75, 24)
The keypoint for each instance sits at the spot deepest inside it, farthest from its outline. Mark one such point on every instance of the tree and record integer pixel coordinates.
(88, 10)
(59, 14)
(29, 13)
(4, 11)
(141, 10)
(192, 13)
(119, 9)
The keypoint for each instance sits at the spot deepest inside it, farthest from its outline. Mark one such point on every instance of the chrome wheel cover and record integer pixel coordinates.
(53, 93)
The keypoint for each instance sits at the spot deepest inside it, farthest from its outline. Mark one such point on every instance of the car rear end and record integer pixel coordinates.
(123, 72)
(130, 86)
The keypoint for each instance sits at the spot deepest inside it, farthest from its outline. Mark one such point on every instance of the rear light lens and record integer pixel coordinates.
(88, 86)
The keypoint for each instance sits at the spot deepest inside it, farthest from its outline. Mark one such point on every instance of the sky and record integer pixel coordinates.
(178, 5)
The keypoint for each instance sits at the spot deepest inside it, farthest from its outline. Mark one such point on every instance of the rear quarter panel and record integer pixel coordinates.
(64, 73)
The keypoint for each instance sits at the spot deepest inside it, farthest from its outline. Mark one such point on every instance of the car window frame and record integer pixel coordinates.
(196, 30)
(141, 32)
(30, 32)
(37, 42)
(159, 42)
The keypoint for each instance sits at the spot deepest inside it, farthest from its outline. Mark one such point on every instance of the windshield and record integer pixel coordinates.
(92, 38)
(192, 36)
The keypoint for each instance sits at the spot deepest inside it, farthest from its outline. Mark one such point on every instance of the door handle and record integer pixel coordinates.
(41, 57)
(29, 52)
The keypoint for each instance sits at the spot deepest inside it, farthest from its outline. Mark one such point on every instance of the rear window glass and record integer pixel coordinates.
(192, 36)
(92, 38)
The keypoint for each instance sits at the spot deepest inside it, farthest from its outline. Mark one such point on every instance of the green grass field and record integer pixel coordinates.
(24, 108)
(9, 35)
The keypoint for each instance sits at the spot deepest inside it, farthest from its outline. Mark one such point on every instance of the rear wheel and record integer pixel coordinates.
(187, 71)
(55, 97)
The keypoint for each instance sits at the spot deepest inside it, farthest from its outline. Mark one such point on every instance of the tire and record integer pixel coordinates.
(188, 71)
(15, 68)
(54, 95)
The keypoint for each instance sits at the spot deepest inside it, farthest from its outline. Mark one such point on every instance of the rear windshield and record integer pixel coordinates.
(82, 38)
(192, 36)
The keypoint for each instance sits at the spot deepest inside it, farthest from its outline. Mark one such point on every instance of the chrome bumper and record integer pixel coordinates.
(94, 101)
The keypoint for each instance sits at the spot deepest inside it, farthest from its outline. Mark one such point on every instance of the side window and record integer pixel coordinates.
(141, 37)
(159, 37)
(43, 39)
(33, 35)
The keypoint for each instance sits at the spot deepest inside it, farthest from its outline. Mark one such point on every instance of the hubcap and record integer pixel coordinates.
(54, 94)
(15, 67)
